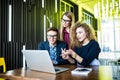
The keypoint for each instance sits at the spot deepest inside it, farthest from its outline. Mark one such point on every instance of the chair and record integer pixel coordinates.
(2, 63)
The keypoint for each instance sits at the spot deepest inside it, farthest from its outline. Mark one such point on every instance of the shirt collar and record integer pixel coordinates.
(52, 46)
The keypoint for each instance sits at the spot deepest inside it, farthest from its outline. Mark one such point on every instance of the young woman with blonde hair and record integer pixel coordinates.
(85, 47)
(67, 21)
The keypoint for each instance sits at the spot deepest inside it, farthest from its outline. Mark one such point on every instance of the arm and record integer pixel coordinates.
(91, 54)
(87, 55)
(61, 60)
(41, 46)
(67, 57)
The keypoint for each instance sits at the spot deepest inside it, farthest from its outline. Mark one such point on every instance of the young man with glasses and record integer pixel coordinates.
(54, 46)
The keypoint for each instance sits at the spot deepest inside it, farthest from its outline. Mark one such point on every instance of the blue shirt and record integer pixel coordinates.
(59, 45)
(53, 55)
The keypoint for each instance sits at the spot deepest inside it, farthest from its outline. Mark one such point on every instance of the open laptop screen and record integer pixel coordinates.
(40, 60)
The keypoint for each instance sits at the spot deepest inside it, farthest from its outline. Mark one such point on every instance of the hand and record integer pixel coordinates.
(70, 51)
(64, 54)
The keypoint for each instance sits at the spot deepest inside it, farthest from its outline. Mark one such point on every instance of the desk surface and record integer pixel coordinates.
(97, 73)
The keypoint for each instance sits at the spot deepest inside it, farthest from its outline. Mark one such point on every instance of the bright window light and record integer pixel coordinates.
(10, 21)
(44, 27)
(24, 0)
(56, 6)
(42, 3)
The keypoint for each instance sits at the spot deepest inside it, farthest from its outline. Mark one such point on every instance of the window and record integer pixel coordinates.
(65, 7)
(110, 35)
(89, 18)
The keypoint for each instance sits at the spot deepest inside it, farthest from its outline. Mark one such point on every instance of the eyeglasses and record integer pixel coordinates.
(66, 21)
(53, 36)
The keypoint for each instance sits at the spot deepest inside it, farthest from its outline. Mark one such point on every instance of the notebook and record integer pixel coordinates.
(39, 60)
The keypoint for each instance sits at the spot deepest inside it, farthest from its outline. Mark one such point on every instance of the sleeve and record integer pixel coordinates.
(91, 54)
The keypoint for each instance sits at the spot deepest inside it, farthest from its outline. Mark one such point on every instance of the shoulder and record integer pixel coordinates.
(93, 42)
(43, 43)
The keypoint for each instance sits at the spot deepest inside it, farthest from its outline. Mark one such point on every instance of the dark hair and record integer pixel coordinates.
(52, 29)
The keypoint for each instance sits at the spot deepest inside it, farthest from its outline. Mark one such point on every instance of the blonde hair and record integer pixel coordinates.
(90, 34)
(70, 15)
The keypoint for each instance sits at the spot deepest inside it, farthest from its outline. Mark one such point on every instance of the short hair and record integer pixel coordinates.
(52, 29)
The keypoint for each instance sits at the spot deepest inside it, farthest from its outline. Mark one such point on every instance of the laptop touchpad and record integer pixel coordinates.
(57, 70)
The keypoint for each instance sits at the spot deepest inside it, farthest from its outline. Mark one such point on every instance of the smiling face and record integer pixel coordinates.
(52, 37)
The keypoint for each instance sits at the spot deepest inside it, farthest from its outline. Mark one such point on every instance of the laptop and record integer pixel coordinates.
(39, 60)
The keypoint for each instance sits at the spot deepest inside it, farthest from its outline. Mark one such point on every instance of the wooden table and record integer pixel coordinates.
(97, 73)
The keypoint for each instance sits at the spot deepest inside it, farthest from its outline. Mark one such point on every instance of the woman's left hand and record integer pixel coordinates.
(70, 51)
